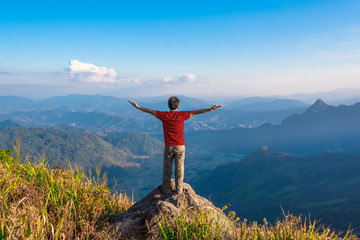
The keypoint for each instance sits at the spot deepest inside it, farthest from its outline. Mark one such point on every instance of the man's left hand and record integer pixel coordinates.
(134, 104)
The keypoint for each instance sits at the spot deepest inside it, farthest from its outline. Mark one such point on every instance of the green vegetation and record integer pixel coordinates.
(203, 225)
(137, 143)
(83, 149)
(324, 185)
(208, 226)
(39, 202)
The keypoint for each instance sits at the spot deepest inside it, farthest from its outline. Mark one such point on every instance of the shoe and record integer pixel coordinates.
(161, 190)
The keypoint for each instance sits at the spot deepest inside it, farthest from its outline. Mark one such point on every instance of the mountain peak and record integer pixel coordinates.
(318, 106)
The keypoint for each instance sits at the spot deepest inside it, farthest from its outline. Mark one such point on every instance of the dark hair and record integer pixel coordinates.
(173, 103)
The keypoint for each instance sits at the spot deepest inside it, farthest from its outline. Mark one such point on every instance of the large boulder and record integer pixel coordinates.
(140, 221)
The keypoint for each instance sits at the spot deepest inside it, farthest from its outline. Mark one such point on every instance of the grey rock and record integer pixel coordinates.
(140, 221)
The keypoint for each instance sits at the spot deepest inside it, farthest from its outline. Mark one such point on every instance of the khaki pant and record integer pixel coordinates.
(171, 153)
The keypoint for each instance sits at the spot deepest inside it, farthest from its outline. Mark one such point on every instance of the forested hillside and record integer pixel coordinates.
(60, 147)
(81, 148)
(323, 185)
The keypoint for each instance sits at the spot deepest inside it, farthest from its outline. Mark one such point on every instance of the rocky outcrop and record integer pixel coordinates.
(140, 221)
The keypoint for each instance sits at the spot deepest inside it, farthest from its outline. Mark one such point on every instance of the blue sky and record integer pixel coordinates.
(197, 48)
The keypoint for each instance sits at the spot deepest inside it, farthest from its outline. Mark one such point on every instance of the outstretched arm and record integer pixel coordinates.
(195, 112)
(152, 112)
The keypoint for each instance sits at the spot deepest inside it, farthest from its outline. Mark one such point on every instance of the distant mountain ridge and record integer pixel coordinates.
(88, 120)
(336, 97)
(90, 103)
(266, 104)
(320, 128)
(116, 114)
(13, 103)
(325, 185)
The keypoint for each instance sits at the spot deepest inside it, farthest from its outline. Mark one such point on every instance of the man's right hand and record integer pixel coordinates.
(215, 107)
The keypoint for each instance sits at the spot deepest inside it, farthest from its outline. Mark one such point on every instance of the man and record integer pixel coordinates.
(173, 127)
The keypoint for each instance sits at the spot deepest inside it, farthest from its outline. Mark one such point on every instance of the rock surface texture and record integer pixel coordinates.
(139, 221)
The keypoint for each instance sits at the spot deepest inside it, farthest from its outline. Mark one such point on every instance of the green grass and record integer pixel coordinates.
(206, 226)
(40, 202)
(202, 225)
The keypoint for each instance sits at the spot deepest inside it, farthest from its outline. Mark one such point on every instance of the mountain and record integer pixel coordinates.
(249, 100)
(139, 121)
(9, 124)
(75, 102)
(64, 143)
(320, 128)
(137, 143)
(224, 119)
(85, 103)
(116, 114)
(324, 185)
(84, 149)
(94, 103)
(336, 97)
(322, 120)
(98, 121)
(95, 121)
(265, 104)
(122, 155)
(13, 103)
(318, 106)
(106, 114)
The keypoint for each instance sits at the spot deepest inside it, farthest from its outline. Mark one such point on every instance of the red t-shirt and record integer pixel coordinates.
(173, 126)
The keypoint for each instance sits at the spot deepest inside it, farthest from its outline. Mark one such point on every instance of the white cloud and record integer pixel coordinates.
(170, 81)
(186, 78)
(137, 81)
(180, 79)
(167, 79)
(87, 72)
